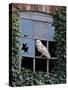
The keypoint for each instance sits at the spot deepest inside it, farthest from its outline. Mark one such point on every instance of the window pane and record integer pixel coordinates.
(40, 30)
(50, 32)
(28, 47)
(26, 28)
(27, 62)
(52, 48)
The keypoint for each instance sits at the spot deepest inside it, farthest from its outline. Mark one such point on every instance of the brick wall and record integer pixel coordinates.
(32, 7)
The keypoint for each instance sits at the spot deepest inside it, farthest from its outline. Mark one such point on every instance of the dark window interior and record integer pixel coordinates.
(27, 63)
(52, 48)
(40, 65)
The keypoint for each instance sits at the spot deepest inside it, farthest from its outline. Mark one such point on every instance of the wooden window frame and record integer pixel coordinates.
(36, 16)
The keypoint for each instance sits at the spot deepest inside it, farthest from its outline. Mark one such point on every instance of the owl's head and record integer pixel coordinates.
(38, 42)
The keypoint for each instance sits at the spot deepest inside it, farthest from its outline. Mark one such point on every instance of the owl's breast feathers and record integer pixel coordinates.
(42, 49)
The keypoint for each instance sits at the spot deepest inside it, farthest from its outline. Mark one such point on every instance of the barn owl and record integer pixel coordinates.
(42, 49)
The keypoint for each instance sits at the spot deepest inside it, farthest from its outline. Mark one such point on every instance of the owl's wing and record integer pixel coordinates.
(39, 47)
(44, 51)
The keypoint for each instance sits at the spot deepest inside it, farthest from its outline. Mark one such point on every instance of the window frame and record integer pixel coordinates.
(41, 17)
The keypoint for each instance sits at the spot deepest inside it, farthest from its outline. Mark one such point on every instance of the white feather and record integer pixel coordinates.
(42, 49)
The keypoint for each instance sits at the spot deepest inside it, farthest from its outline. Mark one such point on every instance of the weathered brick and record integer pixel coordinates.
(32, 7)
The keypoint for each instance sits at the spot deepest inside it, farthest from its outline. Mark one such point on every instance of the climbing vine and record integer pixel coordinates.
(14, 71)
(60, 38)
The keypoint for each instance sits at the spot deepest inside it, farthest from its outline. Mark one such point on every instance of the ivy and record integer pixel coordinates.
(15, 72)
(60, 38)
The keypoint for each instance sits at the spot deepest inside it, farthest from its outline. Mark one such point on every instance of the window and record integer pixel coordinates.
(34, 25)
